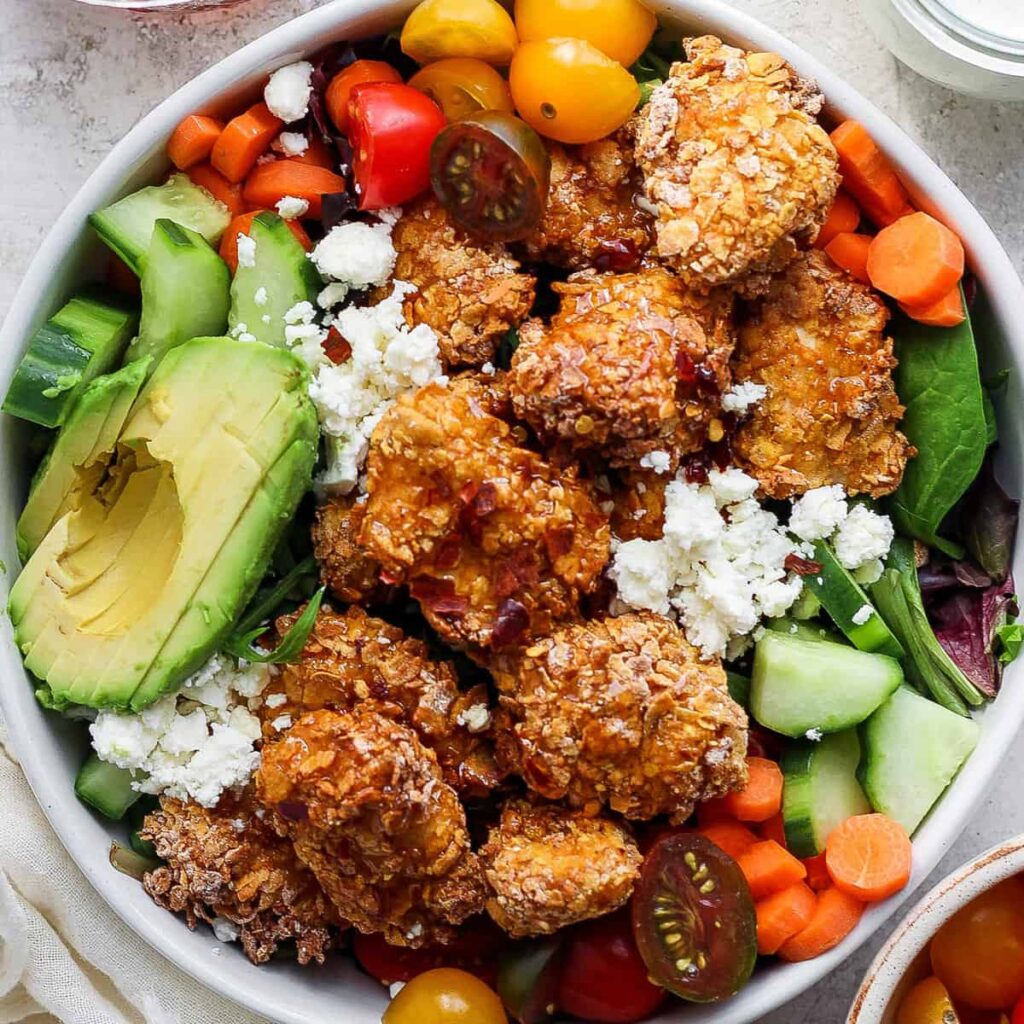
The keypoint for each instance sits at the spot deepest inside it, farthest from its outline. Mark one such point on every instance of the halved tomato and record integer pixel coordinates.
(462, 86)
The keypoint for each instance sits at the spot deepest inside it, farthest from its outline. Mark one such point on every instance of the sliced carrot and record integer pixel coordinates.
(818, 877)
(244, 140)
(359, 72)
(868, 176)
(783, 914)
(318, 154)
(774, 828)
(842, 217)
(761, 797)
(835, 916)
(219, 187)
(271, 182)
(917, 260)
(770, 868)
(732, 837)
(869, 857)
(240, 226)
(850, 252)
(192, 141)
(947, 312)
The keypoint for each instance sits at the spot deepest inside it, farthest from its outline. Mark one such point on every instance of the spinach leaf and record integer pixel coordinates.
(268, 599)
(1011, 640)
(288, 650)
(937, 380)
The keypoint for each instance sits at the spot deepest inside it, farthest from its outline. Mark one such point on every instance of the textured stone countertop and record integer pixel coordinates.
(74, 79)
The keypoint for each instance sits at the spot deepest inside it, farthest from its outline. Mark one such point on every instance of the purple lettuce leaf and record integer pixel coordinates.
(991, 523)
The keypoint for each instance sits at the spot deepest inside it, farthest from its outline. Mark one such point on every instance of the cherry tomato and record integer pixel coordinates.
(1017, 1017)
(445, 996)
(341, 85)
(693, 918)
(459, 28)
(491, 172)
(979, 952)
(391, 128)
(528, 979)
(927, 1002)
(620, 29)
(461, 86)
(604, 978)
(570, 91)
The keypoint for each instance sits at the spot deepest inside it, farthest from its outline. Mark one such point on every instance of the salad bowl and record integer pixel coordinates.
(51, 749)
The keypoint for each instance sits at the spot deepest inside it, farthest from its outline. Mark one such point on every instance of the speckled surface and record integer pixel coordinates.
(73, 79)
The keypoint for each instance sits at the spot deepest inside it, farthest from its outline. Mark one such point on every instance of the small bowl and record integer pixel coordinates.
(903, 960)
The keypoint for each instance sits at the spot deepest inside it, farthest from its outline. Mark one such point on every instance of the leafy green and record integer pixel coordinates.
(288, 650)
(1010, 638)
(650, 70)
(268, 600)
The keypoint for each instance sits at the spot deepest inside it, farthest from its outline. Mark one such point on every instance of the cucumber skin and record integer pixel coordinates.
(105, 787)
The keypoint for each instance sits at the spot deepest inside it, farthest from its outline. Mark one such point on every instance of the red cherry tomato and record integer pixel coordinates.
(604, 978)
(391, 128)
(1017, 1017)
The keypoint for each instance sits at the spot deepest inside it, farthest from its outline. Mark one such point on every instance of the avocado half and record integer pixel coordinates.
(153, 525)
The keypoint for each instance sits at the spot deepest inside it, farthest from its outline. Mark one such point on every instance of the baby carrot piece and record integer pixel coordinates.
(775, 828)
(219, 187)
(835, 916)
(192, 141)
(850, 252)
(769, 868)
(240, 226)
(761, 797)
(868, 857)
(917, 260)
(732, 837)
(947, 312)
(817, 872)
(271, 182)
(868, 176)
(317, 154)
(843, 216)
(244, 140)
(783, 914)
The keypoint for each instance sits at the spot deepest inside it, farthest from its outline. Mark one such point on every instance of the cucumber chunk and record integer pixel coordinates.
(810, 629)
(802, 685)
(185, 291)
(105, 787)
(820, 790)
(82, 340)
(127, 225)
(913, 748)
(280, 278)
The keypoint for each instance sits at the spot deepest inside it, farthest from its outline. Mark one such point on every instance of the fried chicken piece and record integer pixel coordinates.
(346, 567)
(487, 391)
(354, 657)
(638, 497)
(831, 413)
(228, 863)
(549, 867)
(591, 219)
(626, 366)
(367, 808)
(494, 542)
(470, 292)
(734, 161)
(621, 712)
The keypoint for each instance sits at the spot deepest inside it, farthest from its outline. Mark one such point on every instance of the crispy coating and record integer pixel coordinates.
(470, 292)
(548, 867)
(734, 161)
(638, 504)
(367, 808)
(591, 219)
(620, 712)
(488, 391)
(354, 657)
(228, 863)
(831, 414)
(346, 567)
(494, 542)
(626, 366)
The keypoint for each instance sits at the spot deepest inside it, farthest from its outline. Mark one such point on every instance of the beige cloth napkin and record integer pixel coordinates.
(64, 955)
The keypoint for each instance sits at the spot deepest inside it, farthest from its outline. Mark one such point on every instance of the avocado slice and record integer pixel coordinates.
(136, 584)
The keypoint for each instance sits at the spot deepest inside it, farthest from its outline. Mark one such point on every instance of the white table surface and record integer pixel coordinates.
(74, 79)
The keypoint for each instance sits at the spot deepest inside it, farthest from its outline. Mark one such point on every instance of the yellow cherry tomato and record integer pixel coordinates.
(620, 29)
(445, 996)
(459, 28)
(927, 1002)
(568, 90)
(461, 86)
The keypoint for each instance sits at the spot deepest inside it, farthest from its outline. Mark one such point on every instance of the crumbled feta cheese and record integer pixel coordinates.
(358, 254)
(869, 572)
(741, 397)
(862, 614)
(475, 718)
(818, 513)
(275, 700)
(265, 318)
(292, 143)
(225, 930)
(260, 296)
(862, 537)
(287, 92)
(246, 251)
(290, 207)
(282, 722)
(488, 369)
(301, 313)
(814, 735)
(660, 462)
(241, 332)
(333, 295)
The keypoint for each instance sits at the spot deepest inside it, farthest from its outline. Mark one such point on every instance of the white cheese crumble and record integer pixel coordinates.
(742, 396)
(260, 296)
(818, 513)
(814, 735)
(360, 255)
(287, 92)
(862, 537)
(869, 572)
(333, 295)
(475, 718)
(862, 614)
(660, 462)
(275, 700)
(246, 251)
(282, 722)
(292, 143)
(225, 930)
(290, 207)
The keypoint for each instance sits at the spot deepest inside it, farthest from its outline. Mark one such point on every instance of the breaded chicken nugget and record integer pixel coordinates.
(638, 509)
(346, 567)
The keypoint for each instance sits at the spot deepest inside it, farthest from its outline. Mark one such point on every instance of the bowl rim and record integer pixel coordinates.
(305, 34)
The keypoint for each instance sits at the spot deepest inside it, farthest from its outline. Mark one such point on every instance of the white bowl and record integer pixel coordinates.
(903, 960)
(51, 749)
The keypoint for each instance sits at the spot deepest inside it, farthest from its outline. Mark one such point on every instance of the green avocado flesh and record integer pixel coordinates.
(161, 543)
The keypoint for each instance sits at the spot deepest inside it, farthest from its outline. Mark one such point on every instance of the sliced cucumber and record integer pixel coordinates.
(803, 685)
(912, 750)
(136, 819)
(105, 787)
(820, 790)
(185, 291)
(127, 225)
(739, 688)
(811, 629)
(281, 277)
(82, 340)
(806, 606)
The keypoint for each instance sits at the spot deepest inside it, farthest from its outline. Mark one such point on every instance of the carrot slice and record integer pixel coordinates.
(318, 154)
(868, 176)
(340, 88)
(219, 187)
(850, 252)
(271, 182)
(947, 312)
(818, 877)
(770, 868)
(835, 916)
(244, 140)
(843, 216)
(732, 837)
(761, 797)
(783, 914)
(775, 828)
(192, 141)
(917, 260)
(240, 226)
(869, 856)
